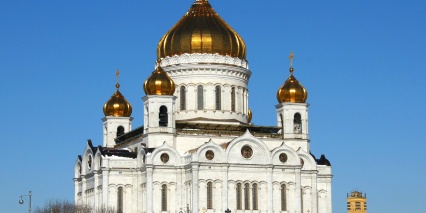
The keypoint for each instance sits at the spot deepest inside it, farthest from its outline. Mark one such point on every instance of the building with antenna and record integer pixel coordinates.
(357, 202)
(198, 150)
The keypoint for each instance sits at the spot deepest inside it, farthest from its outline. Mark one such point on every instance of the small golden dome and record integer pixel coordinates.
(117, 105)
(292, 91)
(201, 30)
(159, 83)
(249, 116)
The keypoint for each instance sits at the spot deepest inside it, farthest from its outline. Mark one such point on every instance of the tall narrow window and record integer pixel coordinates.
(218, 97)
(282, 125)
(246, 196)
(209, 195)
(297, 123)
(120, 200)
(254, 196)
(120, 131)
(162, 116)
(239, 196)
(283, 198)
(182, 98)
(233, 99)
(200, 97)
(243, 94)
(164, 197)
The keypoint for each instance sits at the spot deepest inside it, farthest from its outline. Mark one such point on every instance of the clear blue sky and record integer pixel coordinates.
(362, 62)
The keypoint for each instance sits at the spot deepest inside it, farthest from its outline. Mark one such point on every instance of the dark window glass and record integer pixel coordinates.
(283, 198)
(120, 131)
(254, 196)
(239, 196)
(233, 99)
(200, 97)
(246, 196)
(218, 97)
(164, 197)
(209, 195)
(182, 98)
(120, 200)
(163, 117)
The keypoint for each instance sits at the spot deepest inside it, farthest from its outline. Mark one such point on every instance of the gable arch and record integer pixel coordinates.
(219, 153)
(292, 156)
(88, 154)
(260, 152)
(309, 161)
(141, 158)
(77, 168)
(174, 156)
(97, 161)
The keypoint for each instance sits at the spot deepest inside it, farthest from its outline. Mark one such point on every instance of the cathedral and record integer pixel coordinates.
(198, 151)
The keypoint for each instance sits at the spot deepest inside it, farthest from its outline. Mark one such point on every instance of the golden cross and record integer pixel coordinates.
(117, 73)
(291, 58)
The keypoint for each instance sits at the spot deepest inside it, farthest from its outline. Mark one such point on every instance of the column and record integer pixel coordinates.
(149, 189)
(195, 193)
(297, 194)
(105, 183)
(270, 190)
(225, 204)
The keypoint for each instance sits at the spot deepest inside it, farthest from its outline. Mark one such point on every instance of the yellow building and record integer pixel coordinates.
(357, 203)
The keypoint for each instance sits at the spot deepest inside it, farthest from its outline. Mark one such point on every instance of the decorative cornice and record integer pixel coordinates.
(202, 58)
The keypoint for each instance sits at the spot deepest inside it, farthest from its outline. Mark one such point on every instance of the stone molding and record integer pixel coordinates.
(202, 58)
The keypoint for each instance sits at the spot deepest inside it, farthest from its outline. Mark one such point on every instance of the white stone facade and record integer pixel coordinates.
(206, 160)
(198, 153)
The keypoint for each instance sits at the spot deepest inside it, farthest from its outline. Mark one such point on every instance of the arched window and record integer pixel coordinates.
(163, 117)
(233, 99)
(182, 98)
(297, 123)
(120, 131)
(243, 94)
(120, 200)
(239, 196)
(218, 96)
(209, 195)
(200, 97)
(283, 198)
(246, 196)
(254, 196)
(164, 197)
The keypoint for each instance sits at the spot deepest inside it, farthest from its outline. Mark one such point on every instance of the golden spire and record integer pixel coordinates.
(117, 105)
(292, 91)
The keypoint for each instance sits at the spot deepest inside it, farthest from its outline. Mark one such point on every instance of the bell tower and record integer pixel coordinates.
(292, 110)
(159, 109)
(117, 120)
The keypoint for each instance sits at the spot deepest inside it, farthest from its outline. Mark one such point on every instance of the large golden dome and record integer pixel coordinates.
(292, 91)
(117, 105)
(159, 83)
(201, 30)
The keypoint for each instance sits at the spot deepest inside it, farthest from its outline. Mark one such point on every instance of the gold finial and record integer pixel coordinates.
(291, 62)
(117, 73)
(291, 58)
